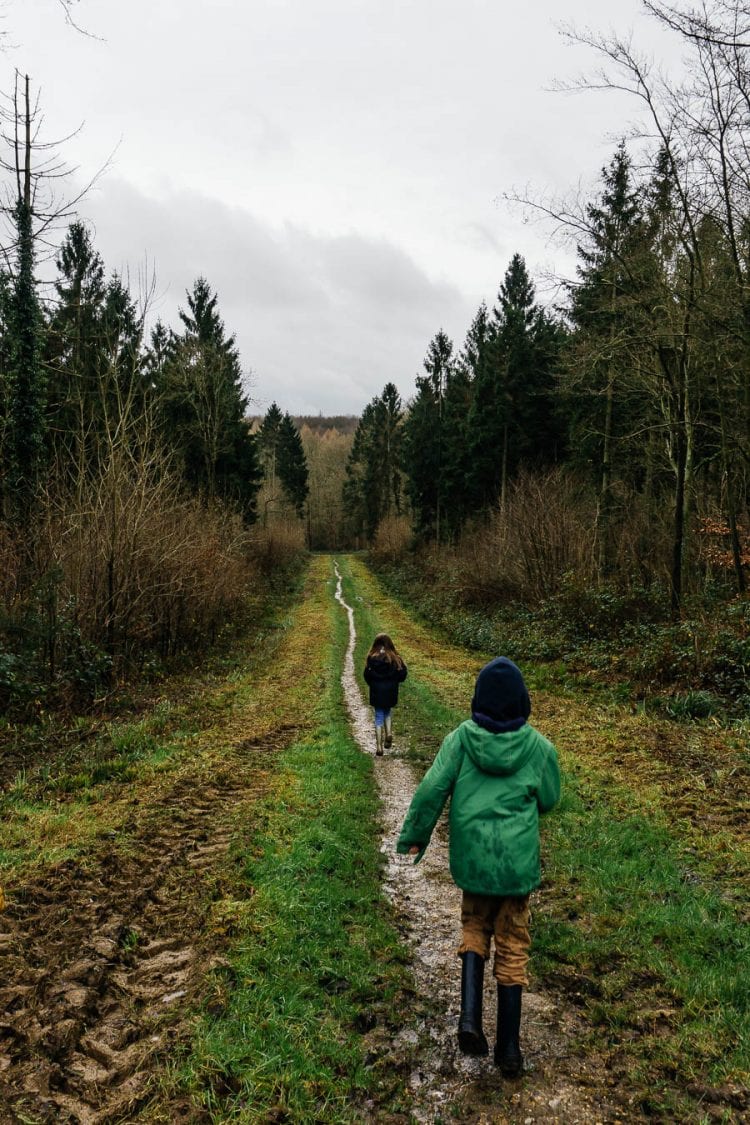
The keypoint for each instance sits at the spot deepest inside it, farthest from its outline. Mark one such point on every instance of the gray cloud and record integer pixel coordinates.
(323, 321)
(336, 169)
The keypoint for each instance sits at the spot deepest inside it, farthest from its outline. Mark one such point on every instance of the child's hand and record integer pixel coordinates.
(414, 849)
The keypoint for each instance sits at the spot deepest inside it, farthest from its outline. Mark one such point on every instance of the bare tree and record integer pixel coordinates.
(36, 172)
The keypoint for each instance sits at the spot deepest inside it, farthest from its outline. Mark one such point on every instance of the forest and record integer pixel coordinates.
(583, 461)
(203, 917)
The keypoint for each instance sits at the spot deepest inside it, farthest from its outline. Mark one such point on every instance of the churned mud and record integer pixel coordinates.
(99, 958)
(562, 1083)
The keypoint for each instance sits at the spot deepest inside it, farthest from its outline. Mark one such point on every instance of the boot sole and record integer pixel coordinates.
(472, 1043)
(508, 1068)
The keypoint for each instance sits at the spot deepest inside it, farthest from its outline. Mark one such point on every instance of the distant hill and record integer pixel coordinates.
(344, 423)
(317, 423)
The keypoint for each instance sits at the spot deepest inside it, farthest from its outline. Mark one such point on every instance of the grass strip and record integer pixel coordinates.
(315, 961)
(632, 925)
(658, 958)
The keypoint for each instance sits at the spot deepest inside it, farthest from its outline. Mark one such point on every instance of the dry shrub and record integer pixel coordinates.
(642, 540)
(548, 526)
(144, 565)
(479, 564)
(525, 551)
(276, 548)
(392, 540)
(546, 539)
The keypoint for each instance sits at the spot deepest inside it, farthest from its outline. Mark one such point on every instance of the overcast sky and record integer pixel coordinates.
(334, 168)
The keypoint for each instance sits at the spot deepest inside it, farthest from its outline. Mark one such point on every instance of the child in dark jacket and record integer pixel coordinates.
(384, 671)
(500, 774)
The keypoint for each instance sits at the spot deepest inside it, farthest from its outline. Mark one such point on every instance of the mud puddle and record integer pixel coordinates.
(562, 1083)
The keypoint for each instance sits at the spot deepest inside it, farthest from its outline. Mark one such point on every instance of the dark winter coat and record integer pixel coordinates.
(383, 678)
(498, 785)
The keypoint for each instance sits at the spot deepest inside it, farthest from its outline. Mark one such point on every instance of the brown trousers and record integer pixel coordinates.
(507, 919)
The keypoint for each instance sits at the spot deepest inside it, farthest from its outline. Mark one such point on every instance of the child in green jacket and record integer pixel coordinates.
(501, 774)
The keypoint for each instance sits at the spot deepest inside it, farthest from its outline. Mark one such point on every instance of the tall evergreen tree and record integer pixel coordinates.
(269, 438)
(372, 489)
(357, 489)
(73, 351)
(204, 405)
(604, 311)
(292, 465)
(512, 419)
(158, 354)
(425, 438)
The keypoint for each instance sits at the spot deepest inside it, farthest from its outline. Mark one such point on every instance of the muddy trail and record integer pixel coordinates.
(98, 961)
(562, 1083)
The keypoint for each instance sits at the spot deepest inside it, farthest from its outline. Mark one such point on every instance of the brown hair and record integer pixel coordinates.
(383, 646)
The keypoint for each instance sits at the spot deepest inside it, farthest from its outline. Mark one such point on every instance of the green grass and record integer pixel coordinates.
(315, 961)
(631, 926)
(657, 946)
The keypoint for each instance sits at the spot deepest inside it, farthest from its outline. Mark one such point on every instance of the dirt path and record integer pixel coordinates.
(562, 1083)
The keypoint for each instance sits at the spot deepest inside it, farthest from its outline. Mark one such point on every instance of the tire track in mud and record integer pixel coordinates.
(562, 1083)
(99, 958)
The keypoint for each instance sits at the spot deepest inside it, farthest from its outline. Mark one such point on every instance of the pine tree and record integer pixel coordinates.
(121, 336)
(292, 465)
(356, 494)
(74, 342)
(268, 441)
(158, 354)
(389, 422)
(425, 437)
(512, 420)
(372, 489)
(604, 313)
(203, 406)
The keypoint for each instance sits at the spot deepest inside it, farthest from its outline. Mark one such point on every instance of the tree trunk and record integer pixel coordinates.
(504, 473)
(679, 521)
(731, 501)
(604, 512)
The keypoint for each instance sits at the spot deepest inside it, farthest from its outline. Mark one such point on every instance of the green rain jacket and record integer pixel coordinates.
(499, 784)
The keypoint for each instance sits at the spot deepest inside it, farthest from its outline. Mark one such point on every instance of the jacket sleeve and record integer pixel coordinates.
(366, 673)
(430, 797)
(548, 793)
(402, 673)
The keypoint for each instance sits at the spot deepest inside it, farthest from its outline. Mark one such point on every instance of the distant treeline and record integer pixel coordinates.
(317, 423)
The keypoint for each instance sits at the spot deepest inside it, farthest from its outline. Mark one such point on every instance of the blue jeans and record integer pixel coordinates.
(381, 714)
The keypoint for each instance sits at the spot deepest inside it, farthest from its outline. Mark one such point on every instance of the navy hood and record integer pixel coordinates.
(501, 700)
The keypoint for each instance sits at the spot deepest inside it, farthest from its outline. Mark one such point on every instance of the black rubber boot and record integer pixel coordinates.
(507, 1049)
(471, 1038)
